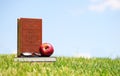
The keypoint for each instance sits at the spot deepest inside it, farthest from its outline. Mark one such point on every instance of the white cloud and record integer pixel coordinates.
(84, 55)
(114, 4)
(105, 4)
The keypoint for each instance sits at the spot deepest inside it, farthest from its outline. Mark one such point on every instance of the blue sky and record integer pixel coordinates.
(75, 27)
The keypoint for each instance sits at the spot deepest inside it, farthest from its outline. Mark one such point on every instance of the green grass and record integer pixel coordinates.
(64, 66)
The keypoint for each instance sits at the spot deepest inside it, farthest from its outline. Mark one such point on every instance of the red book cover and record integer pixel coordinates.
(29, 35)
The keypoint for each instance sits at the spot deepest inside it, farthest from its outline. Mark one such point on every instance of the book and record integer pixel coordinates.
(29, 35)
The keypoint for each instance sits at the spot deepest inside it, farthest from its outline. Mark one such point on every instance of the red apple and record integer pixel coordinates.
(46, 49)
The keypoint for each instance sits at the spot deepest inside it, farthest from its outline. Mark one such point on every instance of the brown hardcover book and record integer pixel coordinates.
(29, 35)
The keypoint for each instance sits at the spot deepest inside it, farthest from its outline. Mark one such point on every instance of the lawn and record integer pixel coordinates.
(64, 66)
